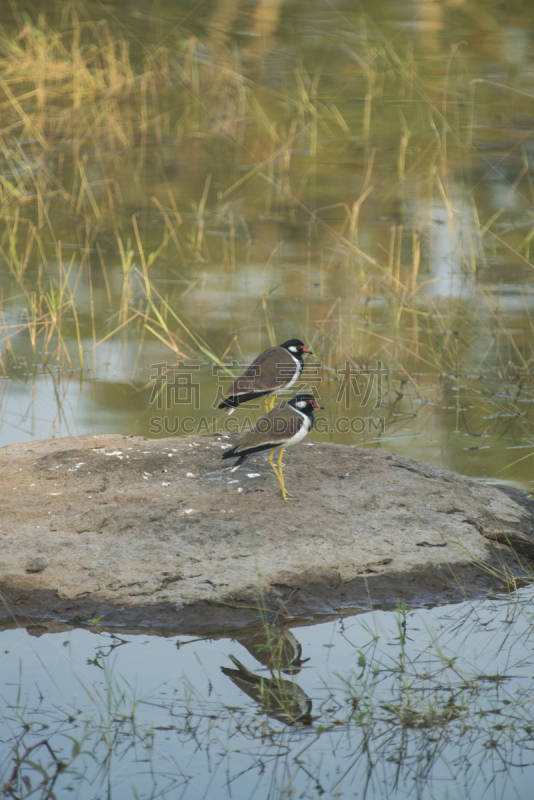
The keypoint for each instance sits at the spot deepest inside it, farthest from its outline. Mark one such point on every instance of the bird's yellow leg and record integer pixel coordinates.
(280, 476)
(271, 406)
(266, 402)
(271, 462)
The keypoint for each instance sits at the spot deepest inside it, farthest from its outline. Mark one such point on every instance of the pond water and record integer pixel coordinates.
(186, 184)
(183, 184)
(427, 703)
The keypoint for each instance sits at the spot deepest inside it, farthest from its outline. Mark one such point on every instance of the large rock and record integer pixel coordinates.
(161, 533)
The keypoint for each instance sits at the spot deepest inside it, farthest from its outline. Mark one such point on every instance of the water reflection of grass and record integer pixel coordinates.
(57, 748)
(156, 171)
(401, 700)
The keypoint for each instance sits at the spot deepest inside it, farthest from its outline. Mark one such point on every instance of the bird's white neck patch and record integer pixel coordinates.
(305, 429)
(293, 348)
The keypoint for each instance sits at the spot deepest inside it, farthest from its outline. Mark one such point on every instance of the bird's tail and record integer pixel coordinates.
(232, 454)
(229, 405)
(238, 463)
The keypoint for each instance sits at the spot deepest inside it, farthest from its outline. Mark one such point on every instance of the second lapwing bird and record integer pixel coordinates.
(274, 370)
(273, 646)
(282, 427)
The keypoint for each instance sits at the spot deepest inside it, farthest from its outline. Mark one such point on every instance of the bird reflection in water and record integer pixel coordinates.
(275, 648)
(281, 699)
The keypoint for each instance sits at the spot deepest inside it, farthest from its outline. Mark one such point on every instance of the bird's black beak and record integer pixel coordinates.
(305, 350)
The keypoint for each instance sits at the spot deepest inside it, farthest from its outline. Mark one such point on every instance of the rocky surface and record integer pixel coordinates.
(160, 533)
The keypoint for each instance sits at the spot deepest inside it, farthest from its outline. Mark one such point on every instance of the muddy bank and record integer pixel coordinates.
(159, 534)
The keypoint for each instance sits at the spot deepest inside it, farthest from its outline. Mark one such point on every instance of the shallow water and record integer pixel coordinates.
(423, 703)
(272, 261)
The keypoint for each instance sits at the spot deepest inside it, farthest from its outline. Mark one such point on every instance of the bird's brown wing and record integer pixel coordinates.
(268, 371)
(273, 429)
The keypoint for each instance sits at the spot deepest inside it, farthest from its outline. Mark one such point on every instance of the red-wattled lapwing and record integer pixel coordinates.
(274, 647)
(283, 426)
(273, 371)
(283, 700)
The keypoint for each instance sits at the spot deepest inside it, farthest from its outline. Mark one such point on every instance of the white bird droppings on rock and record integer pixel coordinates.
(253, 474)
(190, 475)
(384, 492)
